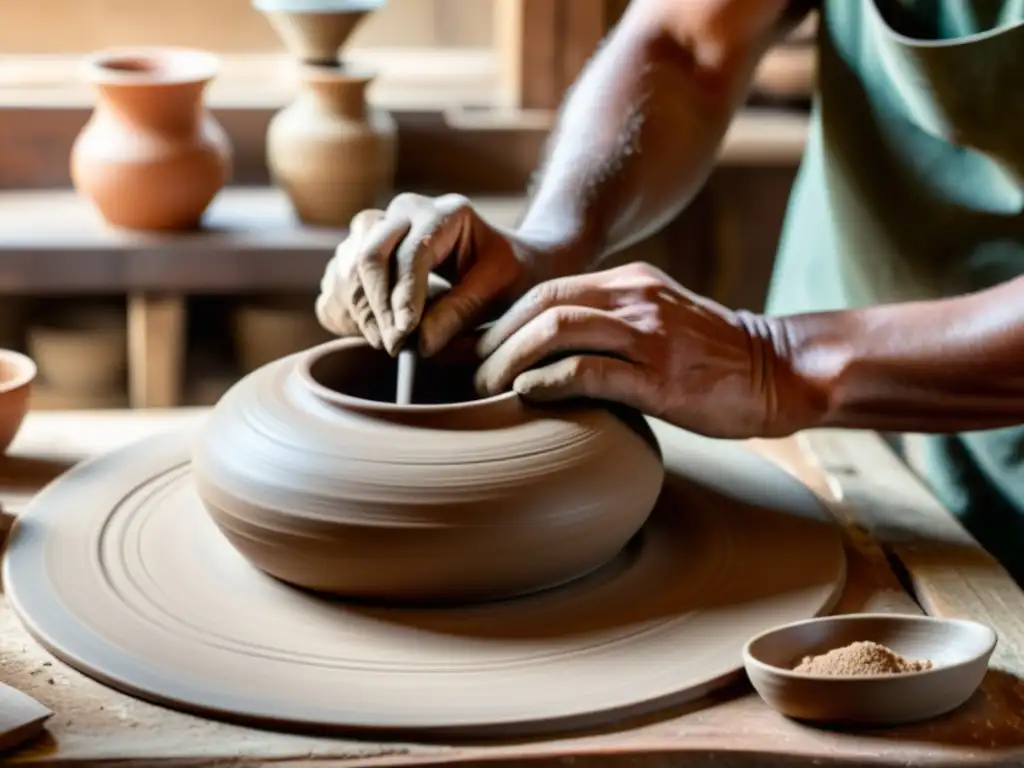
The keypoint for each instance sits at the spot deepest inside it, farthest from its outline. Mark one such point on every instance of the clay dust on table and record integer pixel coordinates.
(860, 658)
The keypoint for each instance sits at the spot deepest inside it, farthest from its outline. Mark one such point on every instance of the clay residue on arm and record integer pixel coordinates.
(638, 133)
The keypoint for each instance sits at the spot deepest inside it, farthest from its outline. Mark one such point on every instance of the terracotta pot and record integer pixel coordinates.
(332, 156)
(151, 156)
(319, 479)
(269, 330)
(314, 31)
(16, 375)
(82, 351)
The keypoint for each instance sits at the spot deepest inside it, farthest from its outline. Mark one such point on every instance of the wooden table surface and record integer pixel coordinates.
(885, 512)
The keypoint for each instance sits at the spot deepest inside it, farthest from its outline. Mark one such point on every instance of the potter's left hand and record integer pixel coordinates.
(635, 336)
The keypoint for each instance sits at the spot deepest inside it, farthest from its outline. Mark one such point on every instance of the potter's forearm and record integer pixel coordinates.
(936, 366)
(639, 132)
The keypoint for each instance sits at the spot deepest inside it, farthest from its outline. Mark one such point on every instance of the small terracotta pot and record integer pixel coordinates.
(315, 475)
(332, 155)
(16, 375)
(151, 156)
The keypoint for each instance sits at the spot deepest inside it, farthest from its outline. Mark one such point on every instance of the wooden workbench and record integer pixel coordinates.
(886, 513)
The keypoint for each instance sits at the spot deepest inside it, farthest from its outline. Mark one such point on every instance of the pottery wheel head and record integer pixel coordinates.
(316, 476)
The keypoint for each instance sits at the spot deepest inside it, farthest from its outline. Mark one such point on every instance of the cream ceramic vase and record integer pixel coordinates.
(331, 155)
(320, 480)
(151, 156)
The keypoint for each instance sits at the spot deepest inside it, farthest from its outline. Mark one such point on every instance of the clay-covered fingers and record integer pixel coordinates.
(331, 309)
(577, 291)
(438, 229)
(376, 236)
(592, 376)
(579, 330)
(343, 306)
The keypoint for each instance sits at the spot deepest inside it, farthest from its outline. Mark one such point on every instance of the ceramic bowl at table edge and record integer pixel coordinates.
(959, 648)
(17, 372)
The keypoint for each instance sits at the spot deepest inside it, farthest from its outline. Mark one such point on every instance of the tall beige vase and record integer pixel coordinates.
(331, 154)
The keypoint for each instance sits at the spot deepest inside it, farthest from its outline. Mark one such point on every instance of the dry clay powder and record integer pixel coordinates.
(861, 658)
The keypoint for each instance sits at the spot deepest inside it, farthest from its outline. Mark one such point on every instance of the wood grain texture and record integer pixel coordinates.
(949, 571)
(52, 241)
(94, 724)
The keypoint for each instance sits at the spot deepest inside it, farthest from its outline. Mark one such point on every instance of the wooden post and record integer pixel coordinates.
(544, 44)
(156, 350)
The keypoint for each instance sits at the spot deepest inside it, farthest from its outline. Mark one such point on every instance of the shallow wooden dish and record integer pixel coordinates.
(958, 649)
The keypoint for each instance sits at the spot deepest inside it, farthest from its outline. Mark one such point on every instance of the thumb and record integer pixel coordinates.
(459, 308)
(594, 376)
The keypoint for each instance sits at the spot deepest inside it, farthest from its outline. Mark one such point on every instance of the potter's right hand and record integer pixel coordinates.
(378, 283)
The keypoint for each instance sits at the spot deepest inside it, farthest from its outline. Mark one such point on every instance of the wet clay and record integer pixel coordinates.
(861, 658)
(315, 474)
(119, 570)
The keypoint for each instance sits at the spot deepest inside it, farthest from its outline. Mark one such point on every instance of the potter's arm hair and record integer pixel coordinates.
(638, 133)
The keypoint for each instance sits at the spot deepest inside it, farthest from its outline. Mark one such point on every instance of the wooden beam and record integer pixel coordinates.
(52, 242)
(584, 25)
(527, 35)
(156, 350)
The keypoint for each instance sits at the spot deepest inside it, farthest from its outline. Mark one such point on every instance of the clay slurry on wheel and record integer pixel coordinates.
(118, 570)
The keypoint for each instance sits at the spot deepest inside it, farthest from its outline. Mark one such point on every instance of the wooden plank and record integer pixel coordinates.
(156, 349)
(539, 54)
(94, 724)
(408, 78)
(52, 241)
(500, 147)
(584, 25)
(951, 574)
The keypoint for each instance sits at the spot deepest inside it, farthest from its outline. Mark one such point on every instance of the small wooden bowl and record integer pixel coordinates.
(958, 649)
(17, 372)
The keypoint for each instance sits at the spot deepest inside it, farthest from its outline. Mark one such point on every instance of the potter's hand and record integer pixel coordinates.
(633, 335)
(377, 283)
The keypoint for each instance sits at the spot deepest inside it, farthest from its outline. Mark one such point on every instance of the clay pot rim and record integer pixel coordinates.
(24, 366)
(169, 65)
(318, 6)
(362, 405)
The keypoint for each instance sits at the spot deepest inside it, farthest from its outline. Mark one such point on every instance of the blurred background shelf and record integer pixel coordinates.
(52, 241)
(474, 87)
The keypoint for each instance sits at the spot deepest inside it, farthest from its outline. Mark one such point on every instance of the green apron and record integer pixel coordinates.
(912, 187)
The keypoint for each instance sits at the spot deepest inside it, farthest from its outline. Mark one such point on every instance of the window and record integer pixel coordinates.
(428, 53)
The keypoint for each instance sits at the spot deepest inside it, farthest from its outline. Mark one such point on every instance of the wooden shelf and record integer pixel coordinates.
(51, 241)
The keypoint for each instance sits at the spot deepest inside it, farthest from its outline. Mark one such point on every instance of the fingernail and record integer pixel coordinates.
(480, 385)
(372, 335)
(403, 321)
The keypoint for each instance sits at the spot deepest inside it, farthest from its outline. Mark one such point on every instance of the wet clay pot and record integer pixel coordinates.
(332, 155)
(151, 156)
(316, 476)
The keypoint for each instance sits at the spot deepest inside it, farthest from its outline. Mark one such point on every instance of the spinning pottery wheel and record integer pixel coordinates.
(120, 570)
